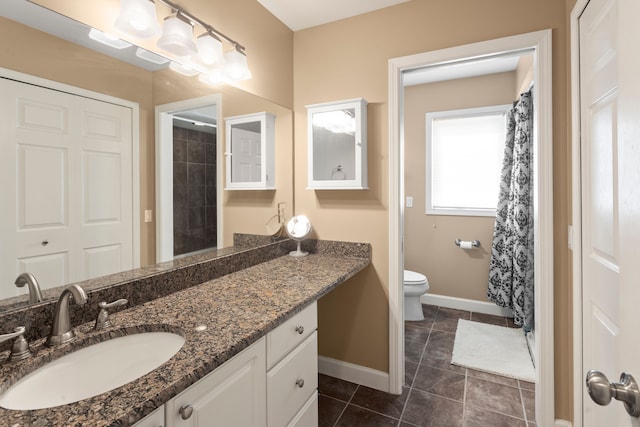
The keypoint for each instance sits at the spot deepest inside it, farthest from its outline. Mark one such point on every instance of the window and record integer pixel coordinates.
(464, 160)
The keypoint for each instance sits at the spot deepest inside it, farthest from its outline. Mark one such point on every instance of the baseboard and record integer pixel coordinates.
(562, 423)
(346, 371)
(465, 304)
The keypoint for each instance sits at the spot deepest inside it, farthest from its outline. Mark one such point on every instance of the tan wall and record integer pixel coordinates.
(349, 59)
(268, 42)
(36, 53)
(33, 52)
(429, 239)
(244, 211)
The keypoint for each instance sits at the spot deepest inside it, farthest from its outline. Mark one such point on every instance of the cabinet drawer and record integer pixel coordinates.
(308, 415)
(285, 337)
(292, 382)
(154, 419)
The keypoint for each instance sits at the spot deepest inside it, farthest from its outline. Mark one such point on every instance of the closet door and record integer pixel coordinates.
(65, 166)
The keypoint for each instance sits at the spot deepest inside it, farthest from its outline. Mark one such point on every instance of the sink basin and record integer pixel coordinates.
(92, 370)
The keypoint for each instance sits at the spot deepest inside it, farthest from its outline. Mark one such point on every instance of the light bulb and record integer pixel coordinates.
(209, 49)
(236, 65)
(138, 18)
(177, 37)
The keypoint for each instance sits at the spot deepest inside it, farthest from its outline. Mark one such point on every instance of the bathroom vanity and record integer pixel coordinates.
(249, 357)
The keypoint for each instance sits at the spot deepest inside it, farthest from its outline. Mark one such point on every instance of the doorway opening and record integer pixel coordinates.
(539, 43)
(188, 168)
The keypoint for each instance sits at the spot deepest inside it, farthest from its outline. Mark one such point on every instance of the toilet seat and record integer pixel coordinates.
(413, 278)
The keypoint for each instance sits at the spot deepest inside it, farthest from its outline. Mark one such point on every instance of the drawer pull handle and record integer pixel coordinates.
(300, 329)
(300, 382)
(186, 412)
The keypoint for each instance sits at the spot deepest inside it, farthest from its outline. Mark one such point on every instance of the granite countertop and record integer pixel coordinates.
(237, 309)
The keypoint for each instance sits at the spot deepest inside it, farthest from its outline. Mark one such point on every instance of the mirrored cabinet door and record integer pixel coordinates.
(250, 152)
(338, 145)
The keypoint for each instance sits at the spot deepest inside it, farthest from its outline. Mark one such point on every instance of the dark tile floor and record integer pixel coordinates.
(436, 393)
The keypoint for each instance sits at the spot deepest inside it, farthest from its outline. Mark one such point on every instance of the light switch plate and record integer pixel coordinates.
(148, 215)
(409, 201)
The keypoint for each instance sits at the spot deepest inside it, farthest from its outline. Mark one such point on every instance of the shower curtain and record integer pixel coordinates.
(511, 268)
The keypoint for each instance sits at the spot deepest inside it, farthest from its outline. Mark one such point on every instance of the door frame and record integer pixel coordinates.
(540, 41)
(576, 191)
(135, 138)
(164, 171)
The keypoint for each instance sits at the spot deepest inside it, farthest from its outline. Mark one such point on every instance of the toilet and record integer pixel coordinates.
(415, 285)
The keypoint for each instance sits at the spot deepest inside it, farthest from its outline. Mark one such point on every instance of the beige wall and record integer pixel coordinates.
(429, 239)
(349, 59)
(244, 211)
(32, 52)
(268, 42)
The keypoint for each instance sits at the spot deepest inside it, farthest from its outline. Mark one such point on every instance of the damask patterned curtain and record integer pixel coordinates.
(511, 268)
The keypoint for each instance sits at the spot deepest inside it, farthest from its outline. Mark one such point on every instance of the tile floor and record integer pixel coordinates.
(436, 393)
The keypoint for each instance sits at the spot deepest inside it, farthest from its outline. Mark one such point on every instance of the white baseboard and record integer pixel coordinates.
(465, 304)
(562, 423)
(346, 371)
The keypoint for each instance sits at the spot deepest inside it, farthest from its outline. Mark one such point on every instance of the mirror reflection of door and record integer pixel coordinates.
(67, 162)
(246, 162)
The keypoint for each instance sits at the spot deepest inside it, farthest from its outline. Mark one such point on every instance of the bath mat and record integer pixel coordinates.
(495, 349)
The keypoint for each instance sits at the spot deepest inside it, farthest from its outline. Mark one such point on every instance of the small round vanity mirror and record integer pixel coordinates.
(299, 228)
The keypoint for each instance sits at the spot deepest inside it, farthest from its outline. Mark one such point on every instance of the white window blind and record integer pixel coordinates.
(464, 160)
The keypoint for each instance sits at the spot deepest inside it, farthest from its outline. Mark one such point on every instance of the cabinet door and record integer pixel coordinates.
(292, 382)
(232, 395)
(337, 152)
(250, 158)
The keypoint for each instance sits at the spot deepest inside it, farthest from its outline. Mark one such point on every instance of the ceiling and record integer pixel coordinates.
(296, 14)
(301, 14)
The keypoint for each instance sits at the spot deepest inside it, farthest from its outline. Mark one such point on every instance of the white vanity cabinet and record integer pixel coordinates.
(273, 383)
(154, 419)
(292, 371)
(250, 152)
(232, 395)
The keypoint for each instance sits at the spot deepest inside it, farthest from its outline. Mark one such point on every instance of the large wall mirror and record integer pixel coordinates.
(191, 143)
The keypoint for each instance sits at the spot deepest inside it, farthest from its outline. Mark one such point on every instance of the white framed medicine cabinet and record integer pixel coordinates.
(337, 134)
(250, 152)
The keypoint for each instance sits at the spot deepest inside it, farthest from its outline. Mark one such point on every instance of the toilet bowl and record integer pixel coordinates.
(415, 285)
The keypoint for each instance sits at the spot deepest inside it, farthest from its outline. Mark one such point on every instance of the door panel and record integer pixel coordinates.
(66, 166)
(610, 155)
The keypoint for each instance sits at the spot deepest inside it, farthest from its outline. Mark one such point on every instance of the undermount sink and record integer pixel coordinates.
(92, 370)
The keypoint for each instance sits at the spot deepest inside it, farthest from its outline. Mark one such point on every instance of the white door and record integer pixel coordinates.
(246, 162)
(66, 171)
(610, 151)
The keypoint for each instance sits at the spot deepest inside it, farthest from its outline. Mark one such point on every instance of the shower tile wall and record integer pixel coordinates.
(194, 190)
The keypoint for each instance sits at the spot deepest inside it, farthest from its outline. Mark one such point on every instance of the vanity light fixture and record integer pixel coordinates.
(337, 121)
(204, 55)
(138, 18)
(150, 56)
(177, 36)
(210, 49)
(236, 66)
(108, 39)
(182, 69)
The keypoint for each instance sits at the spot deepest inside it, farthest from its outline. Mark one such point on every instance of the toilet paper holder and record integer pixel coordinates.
(474, 243)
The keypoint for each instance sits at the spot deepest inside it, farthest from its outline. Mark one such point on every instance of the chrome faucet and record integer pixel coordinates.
(34, 289)
(61, 330)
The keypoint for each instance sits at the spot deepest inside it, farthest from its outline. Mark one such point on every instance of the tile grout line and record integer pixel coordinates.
(347, 405)
(524, 408)
(404, 406)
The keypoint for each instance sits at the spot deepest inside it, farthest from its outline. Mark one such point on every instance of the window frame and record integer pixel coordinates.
(459, 113)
